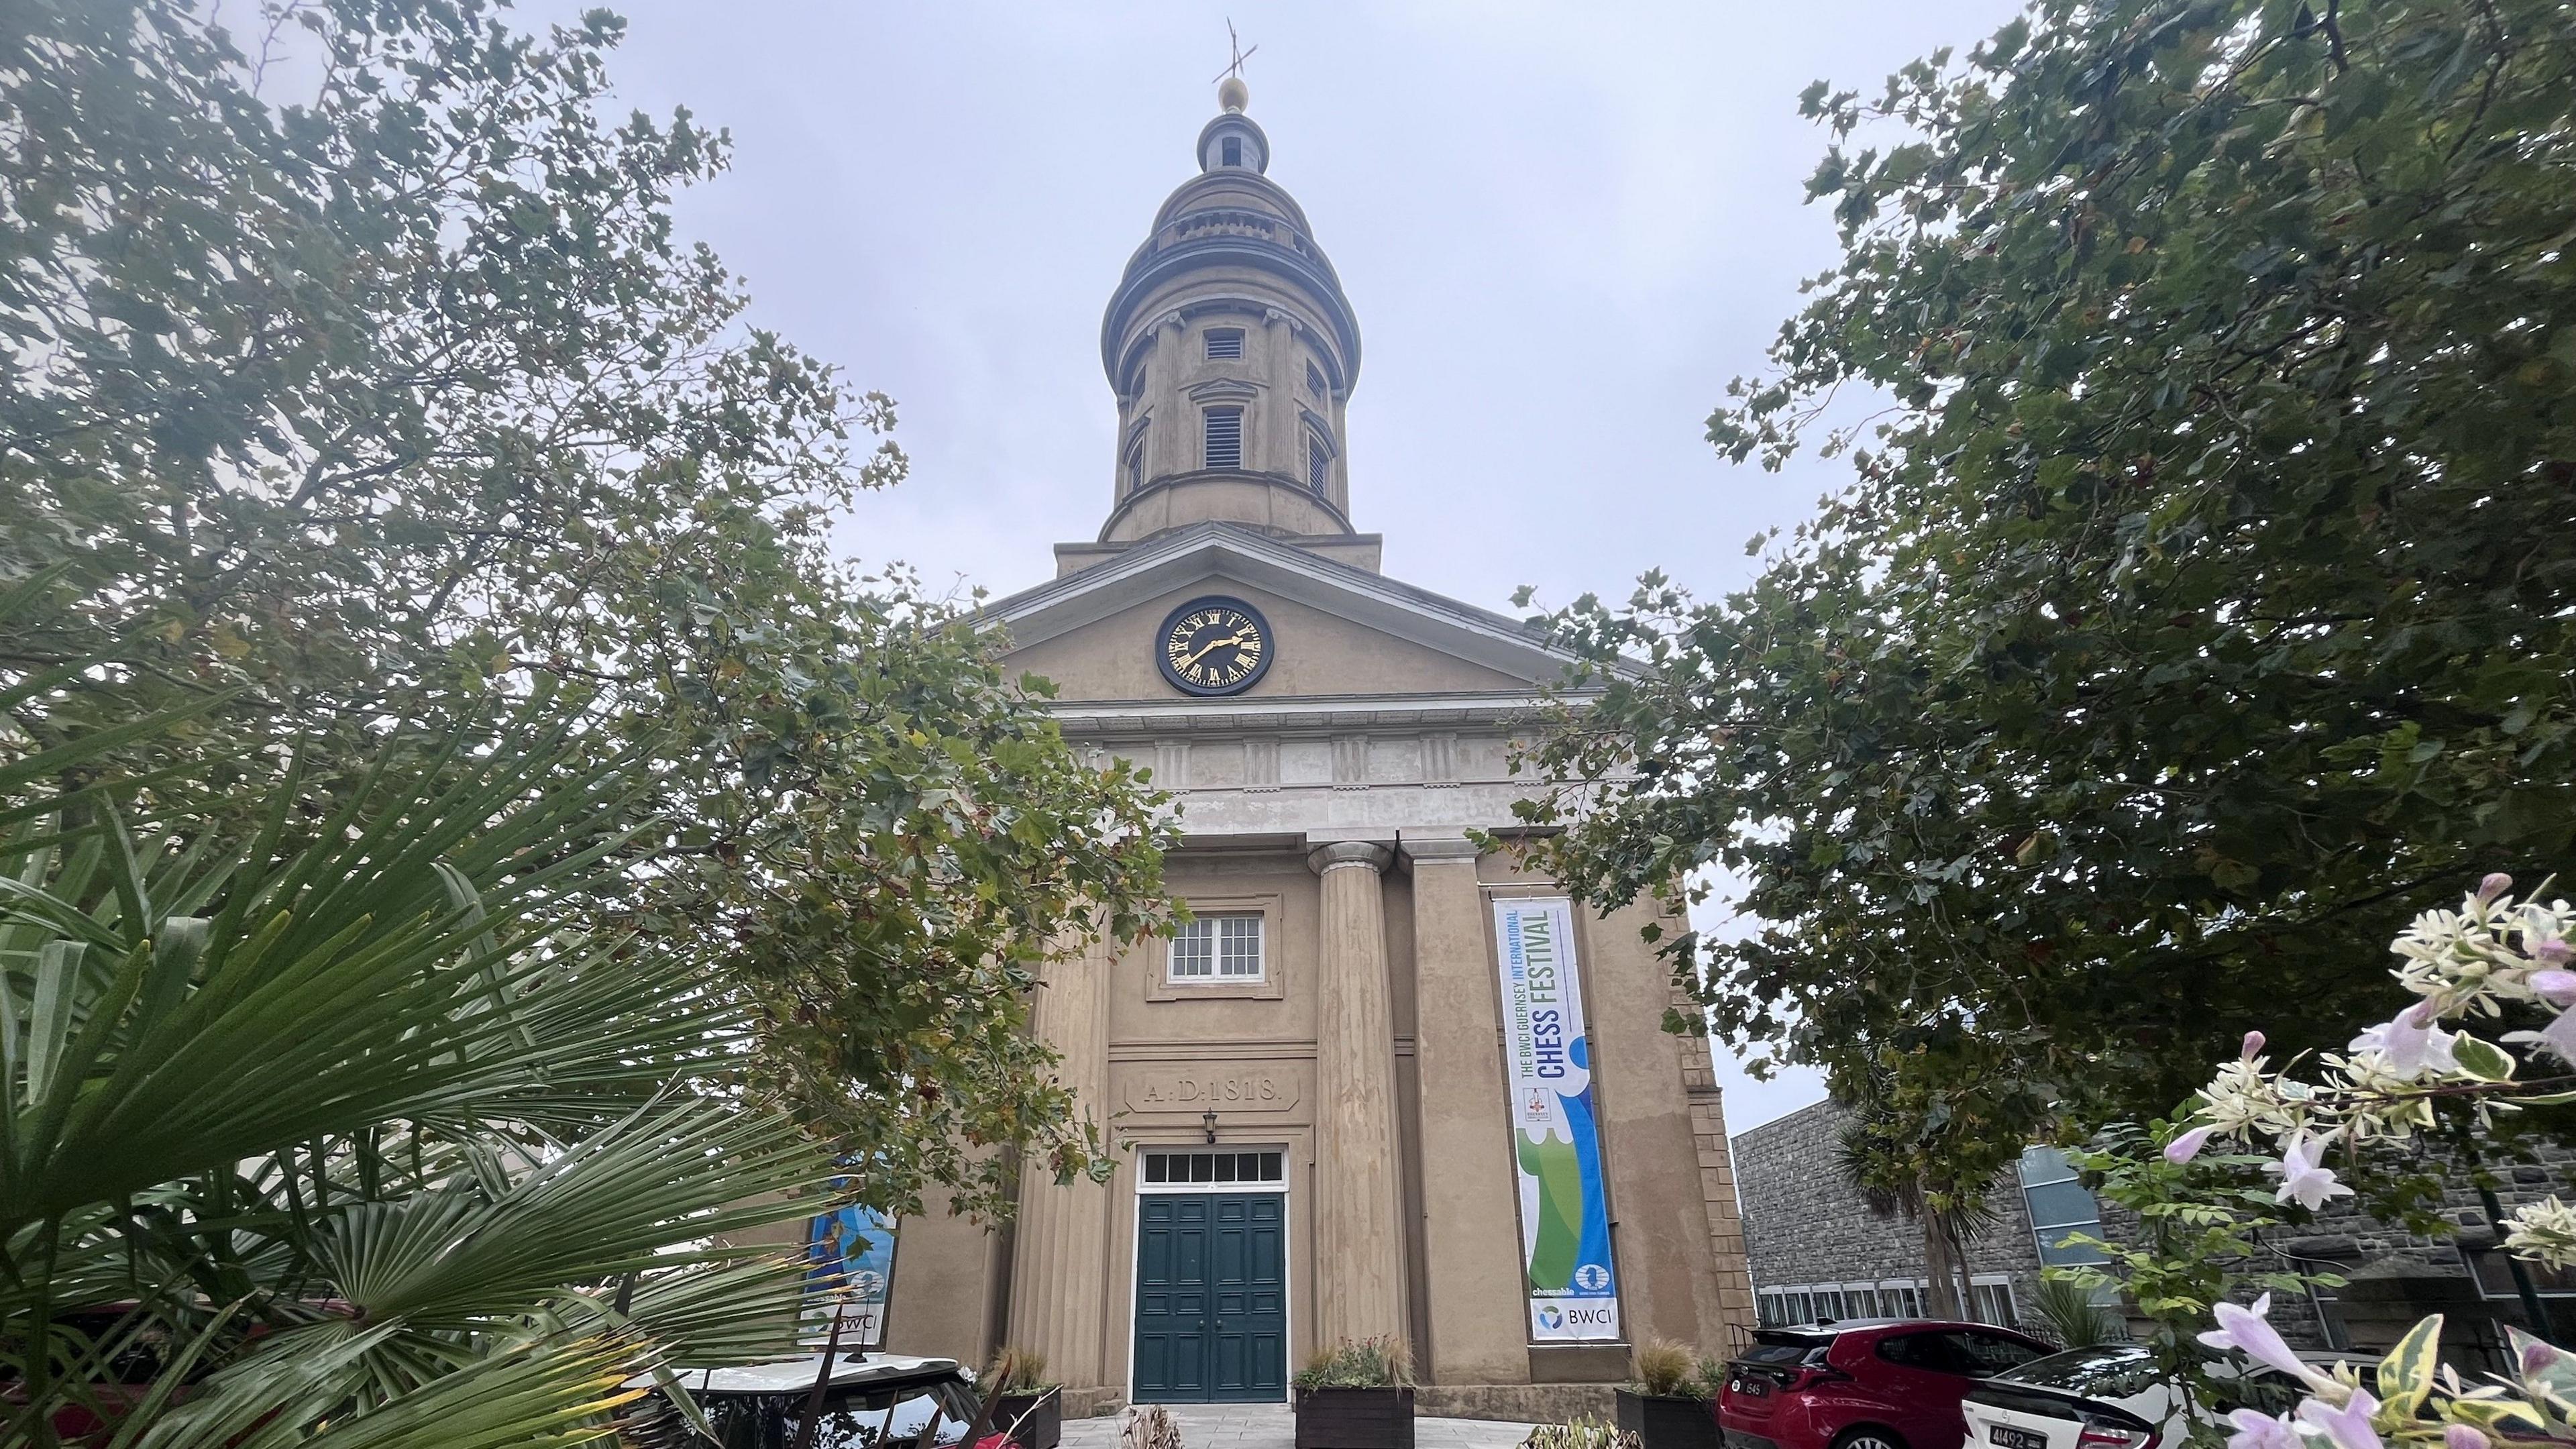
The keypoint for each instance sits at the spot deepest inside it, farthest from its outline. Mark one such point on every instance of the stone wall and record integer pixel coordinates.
(1804, 1223)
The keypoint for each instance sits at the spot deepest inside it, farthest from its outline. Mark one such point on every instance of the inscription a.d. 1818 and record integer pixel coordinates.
(1194, 1091)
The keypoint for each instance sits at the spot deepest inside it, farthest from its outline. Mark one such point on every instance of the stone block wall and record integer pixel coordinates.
(1805, 1223)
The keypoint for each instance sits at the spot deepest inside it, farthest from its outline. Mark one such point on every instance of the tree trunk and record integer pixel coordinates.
(1940, 1268)
(1966, 1289)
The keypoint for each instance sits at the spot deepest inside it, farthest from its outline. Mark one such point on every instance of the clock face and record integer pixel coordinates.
(1214, 646)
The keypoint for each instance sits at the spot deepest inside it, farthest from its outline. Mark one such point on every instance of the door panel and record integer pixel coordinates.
(1211, 1298)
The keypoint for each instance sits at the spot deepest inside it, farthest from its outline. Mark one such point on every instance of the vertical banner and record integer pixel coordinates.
(1565, 1216)
(849, 1253)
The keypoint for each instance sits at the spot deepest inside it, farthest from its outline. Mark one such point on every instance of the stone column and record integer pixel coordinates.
(1173, 437)
(1060, 1260)
(1359, 1243)
(1471, 1236)
(1283, 444)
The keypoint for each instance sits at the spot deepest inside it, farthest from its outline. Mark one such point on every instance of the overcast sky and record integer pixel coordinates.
(1564, 228)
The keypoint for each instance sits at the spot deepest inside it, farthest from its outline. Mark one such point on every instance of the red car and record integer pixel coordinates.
(1862, 1384)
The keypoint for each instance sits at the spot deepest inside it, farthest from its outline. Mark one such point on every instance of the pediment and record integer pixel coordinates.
(1341, 632)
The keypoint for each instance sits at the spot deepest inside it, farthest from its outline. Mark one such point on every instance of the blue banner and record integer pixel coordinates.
(851, 1256)
(1556, 1142)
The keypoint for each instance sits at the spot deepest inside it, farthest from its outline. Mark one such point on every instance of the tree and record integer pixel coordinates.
(364, 405)
(2200, 605)
(331, 1131)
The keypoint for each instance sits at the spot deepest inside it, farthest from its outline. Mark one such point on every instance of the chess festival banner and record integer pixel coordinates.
(1556, 1144)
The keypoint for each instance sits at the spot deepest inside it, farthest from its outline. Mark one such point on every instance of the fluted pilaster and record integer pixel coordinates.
(1359, 1274)
(1059, 1268)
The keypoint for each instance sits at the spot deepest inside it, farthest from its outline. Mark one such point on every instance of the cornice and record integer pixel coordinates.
(1321, 714)
(1199, 551)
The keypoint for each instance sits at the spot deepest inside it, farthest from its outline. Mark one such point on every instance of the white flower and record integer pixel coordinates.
(2409, 1045)
(2559, 1036)
(2544, 1231)
(2256, 1430)
(2349, 1425)
(2250, 1333)
(2241, 1098)
(2187, 1146)
(2303, 1180)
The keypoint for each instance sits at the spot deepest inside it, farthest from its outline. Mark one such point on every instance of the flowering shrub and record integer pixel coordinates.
(2471, 964)
(2467, 968)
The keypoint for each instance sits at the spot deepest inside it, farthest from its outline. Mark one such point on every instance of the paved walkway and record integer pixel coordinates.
(1272, 1426)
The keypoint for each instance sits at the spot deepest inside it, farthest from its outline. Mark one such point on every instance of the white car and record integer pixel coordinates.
(867, 1400)
(2111, 1397)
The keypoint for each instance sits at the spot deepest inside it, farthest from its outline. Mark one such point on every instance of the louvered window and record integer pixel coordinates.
(1136, 462)
(1218, 948)
(1225, 342)
(1315, 381)
(1319, 462)
(1224, 438)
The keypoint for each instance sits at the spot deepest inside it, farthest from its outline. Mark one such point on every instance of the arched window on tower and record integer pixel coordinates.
(1223, 438)
(1319, 461)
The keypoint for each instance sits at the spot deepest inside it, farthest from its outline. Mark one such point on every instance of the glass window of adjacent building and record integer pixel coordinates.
(2059, 1206)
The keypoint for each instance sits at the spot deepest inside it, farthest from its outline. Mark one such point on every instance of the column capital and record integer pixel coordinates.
(1440, 850)
(1349, 852)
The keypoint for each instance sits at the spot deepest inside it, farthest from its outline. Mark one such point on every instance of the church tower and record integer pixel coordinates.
(1384, 1082)
(1232, 353)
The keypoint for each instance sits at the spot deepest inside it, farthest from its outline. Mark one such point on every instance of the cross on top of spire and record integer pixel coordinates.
(1234, 44)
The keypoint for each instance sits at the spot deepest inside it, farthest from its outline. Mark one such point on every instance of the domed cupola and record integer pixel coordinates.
(1232, 351)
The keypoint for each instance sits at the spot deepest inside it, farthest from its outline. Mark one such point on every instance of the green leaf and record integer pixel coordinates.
(2406, 1374)
(2482, 1060)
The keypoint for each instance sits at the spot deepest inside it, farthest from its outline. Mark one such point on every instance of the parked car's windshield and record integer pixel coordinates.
(1971, 1352)
(853, 1418)
(1779, 1348)
(2113, 1371)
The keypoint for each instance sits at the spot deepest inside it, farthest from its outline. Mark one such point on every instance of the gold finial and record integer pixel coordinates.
(1231, 93)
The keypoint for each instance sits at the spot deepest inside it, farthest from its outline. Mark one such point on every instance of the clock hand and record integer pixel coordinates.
(1211, 644)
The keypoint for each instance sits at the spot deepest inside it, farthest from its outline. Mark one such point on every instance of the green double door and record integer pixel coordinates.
(1211, 1298)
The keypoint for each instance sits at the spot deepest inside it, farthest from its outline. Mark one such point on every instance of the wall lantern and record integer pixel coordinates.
(1209, 1117)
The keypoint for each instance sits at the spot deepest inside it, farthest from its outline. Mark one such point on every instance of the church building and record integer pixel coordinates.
(1382, 1083)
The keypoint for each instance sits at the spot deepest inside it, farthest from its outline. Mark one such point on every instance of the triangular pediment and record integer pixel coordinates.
(1341, 632)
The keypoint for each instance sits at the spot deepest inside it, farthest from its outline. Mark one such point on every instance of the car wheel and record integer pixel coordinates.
(1870, 1437)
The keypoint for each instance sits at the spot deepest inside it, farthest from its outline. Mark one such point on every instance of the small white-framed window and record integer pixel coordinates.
(1993, 1301)
(1218, 948)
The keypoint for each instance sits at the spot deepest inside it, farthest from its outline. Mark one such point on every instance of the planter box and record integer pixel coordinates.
(1043, 1428)
(1660, 1422)
(1354, 1419)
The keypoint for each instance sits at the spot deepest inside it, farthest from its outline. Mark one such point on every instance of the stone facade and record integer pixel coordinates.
(1328, 805)
(1805, 1229)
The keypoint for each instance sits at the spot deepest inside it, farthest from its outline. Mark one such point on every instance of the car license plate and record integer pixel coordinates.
(2012, 1438)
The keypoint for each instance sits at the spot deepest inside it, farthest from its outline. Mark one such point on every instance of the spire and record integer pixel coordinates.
(1232, 352)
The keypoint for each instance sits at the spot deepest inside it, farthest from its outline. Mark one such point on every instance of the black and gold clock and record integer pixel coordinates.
(1214, 645)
